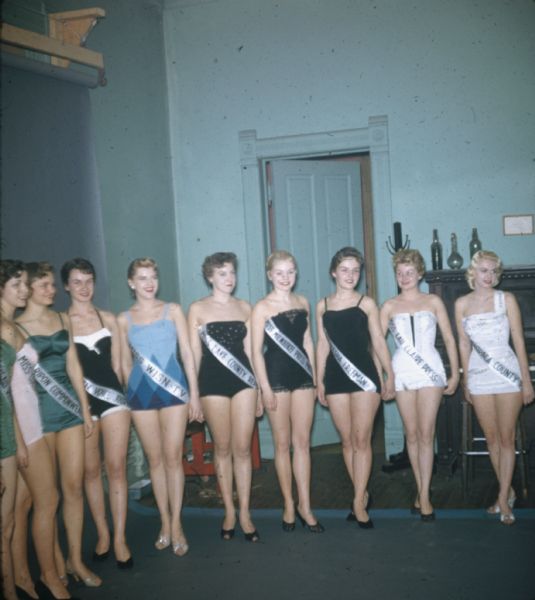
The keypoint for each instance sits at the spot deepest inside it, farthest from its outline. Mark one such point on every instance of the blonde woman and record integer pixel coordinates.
(412, 318)
(285, 372)
(496, 380)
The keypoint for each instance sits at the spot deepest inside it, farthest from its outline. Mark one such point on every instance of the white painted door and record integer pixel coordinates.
(316, 209)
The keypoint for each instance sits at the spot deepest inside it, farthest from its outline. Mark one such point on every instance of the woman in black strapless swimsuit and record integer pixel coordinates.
(349, 333)
(280, 324)
(220, 340)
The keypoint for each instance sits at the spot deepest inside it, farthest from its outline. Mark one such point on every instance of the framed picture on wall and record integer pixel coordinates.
(518, 225)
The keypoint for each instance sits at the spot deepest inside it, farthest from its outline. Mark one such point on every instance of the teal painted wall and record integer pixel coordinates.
(130, 116)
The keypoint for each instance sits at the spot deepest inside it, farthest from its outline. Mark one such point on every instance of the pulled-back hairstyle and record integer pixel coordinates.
(81, 264)
(10, 269)
(38, 270)
(140, 263)
(479, 256)
(216, 261)
(409, 257)
(342, 254)
(279, 255)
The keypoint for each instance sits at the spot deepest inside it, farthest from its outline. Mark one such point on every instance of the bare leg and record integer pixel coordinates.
(341, 415)
(280, 427)
(40, 478)
(8, 491)
(173, 422)
(19, 541)
(94, 490)
(406, 402)
(243, 408)
(217, 412)
(115, 431)
(70, 449)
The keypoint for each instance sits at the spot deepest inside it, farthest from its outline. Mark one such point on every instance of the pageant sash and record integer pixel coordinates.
(4, 381)
(286, 344)
(497, 366)
(104, 393)
(411, 351)
(226, 358)
(355, 374)
(26, 365)
(160, 378)
(62, 396)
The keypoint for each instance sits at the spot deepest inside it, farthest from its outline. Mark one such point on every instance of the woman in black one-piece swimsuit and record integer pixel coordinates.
(220, 341)
(285, 373)
(348, 381)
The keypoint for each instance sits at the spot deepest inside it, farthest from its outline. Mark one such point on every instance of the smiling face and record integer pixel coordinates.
(223, 278)
(43, 290)
(407, 276)
(15, 291)
(283, 275)
(485, 274)
(144, 282)
(81, 286)
(347, 273)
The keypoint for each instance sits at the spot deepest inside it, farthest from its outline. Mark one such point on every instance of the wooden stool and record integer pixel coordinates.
(474, 444)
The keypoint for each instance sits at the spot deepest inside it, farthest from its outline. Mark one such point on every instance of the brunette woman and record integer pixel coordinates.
(412, 318)
(63, 404)
(160, 394)
(285, 373)
(220, 336)
(97, 342)
(348, 381)
(496, 380)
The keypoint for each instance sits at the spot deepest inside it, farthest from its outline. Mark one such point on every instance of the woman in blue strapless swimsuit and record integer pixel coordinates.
(160, 393)
(63, 405)
(96, 337)
(412, 317)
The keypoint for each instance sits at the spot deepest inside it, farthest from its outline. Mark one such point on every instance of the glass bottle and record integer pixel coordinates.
(436, 252)
(455, 260)
(475, 243)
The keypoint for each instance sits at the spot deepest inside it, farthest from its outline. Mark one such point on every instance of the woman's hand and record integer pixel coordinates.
(269, 399)
(89, 425)
(388, 390)
(22, 456)
(451, 385)
(320, 390)
(195, 410)
(259, 406)
(528, 395)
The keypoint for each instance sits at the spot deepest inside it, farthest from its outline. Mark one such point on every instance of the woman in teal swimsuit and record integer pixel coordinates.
(63, 405)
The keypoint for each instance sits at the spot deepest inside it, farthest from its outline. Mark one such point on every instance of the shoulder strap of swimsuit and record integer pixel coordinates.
(100, 318)
(61, 320)
(361, 298)
(325, 301)
(20, 326)
(165, 310)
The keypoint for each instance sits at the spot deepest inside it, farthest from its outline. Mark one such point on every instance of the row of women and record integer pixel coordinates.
(226, 363)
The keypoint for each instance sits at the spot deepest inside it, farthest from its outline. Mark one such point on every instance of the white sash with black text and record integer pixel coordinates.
(62, 396)
(497, 366)
(101, 392)
(355, 374)
(286, 344)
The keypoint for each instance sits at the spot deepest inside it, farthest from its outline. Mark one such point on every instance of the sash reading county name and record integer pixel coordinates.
(411, 351)
(160, 378)
(286, 344)
(354, 373)
(54, 389)
(101, 392)
(497, 366)
(226, 358)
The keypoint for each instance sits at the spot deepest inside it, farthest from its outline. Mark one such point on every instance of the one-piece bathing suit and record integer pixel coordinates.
(8, 444)
(348, 330)
(490, 332)
(215, 379)
(157, 342)
(419, 331)
(284, 373)
(52, 351)
(94, 352)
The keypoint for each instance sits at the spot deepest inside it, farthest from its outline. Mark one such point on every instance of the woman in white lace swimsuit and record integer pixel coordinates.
(496, 380)
(412, 318)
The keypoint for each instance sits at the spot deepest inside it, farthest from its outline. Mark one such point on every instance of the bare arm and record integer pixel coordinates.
(76, 376)
(176, 314)
(517, 335)
(322, 351)
(465, 346)
(380, 348)
(125, 352)
(449, 342)
(308, 344)
(111, 323)
(258, 321)
(194, 322)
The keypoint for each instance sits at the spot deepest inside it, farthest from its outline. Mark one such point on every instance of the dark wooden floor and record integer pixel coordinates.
(331, 487)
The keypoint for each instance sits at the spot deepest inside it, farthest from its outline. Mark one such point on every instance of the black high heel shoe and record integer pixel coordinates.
(427, 518)
(254, 536)
(227, 534)
(351, 516)
(316, 528)
(23, 594)
(100, 557)
(365, 524)
(45, 593)
(288, 526)
(125, 564)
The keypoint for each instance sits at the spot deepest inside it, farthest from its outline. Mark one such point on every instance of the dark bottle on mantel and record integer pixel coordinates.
(436, 252)
(475, 243)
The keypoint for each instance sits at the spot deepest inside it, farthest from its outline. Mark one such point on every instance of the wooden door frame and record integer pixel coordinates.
(254, 152)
